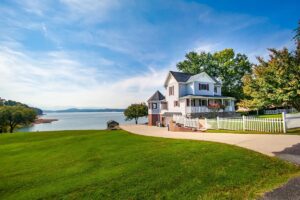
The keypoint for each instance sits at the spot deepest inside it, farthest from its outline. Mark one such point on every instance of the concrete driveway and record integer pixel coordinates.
(271, 145)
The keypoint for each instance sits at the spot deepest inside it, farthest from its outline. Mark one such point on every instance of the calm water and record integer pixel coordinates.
(79, 121)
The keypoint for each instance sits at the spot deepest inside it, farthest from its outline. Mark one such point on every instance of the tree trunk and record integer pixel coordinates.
(12, 127)
(136, 120)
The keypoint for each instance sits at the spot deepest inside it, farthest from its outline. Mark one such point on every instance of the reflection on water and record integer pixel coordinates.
(79, 121)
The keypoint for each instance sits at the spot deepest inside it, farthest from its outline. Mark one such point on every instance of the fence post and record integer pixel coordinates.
(205, 121)
(244, 123)
(218, 125)
(284, 122)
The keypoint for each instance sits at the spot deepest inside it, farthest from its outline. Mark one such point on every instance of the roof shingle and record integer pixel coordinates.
(180, 76)
(157, 96)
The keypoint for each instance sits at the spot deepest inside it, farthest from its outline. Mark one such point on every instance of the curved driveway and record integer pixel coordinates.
(271, 145)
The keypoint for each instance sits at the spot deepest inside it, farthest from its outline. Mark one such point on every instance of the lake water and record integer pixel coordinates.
(79, 121)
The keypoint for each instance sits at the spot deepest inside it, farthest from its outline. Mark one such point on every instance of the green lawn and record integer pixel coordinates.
(119, 165)
(269, 116)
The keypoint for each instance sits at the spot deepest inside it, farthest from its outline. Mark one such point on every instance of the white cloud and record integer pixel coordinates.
(37, 7)
(90, 10)
(207, 47)
(55, 78)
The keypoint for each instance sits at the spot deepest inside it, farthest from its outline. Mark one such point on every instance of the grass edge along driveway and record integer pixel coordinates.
(120, 165)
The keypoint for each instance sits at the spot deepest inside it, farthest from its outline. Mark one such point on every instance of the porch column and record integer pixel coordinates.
(207, 109)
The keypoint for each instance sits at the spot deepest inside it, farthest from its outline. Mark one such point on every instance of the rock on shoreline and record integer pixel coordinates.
(42, 121)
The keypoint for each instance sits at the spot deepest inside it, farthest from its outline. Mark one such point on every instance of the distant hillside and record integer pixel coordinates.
(4, 102)
(85, 110)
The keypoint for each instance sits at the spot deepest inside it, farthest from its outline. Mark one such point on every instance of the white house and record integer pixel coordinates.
(188, 95)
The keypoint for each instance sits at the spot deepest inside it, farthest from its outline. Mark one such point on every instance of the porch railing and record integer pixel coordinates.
(202, 109)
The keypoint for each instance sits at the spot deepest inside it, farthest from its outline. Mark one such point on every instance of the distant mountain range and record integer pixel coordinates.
(85, 110)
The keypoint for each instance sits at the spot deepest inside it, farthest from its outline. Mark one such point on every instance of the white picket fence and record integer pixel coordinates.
(293, 120)
(272, 125)
(191, 123)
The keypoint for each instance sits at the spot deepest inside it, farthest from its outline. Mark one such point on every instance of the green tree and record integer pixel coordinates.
(1, 102)
(3, 120)
(226, 65)
(135, 111)
(277, 80)
(297, 41)
(12, 116)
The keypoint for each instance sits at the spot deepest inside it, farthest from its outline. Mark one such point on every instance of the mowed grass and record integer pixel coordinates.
(269, 116)
(119, 165)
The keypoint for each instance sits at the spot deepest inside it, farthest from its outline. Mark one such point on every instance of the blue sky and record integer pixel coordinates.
(110, 53)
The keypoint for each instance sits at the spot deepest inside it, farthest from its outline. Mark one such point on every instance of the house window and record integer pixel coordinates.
(187, 102)
(203, 102)
(154, 105)
(193, 102)
(171, 91)
(216, 89)
(203, 86)
(176, 104)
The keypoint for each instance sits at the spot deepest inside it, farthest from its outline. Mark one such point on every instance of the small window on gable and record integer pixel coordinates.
(203, 86)
(171, 91)
(216, 89)
(154, 105)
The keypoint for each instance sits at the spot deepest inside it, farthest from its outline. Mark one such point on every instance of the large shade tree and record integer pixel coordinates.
(225, 65)
(275, 81)
(135, 111)
(12, 116)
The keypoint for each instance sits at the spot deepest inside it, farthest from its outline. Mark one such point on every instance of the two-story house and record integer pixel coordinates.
(189, 95)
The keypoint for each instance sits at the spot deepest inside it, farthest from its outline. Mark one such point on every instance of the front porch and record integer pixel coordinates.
(203, 104)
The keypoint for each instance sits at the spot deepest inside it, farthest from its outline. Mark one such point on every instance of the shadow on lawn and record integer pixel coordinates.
(291, 154)
(291, 190)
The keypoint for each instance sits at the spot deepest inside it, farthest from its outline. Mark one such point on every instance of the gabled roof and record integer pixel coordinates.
(180, 76)
(157, 96)
(186, 77)
(203, 76)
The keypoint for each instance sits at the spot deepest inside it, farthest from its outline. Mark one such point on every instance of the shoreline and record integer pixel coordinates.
(44, 121)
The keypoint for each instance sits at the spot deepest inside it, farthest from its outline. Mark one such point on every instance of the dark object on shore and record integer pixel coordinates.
(42, 121)
(112, 125)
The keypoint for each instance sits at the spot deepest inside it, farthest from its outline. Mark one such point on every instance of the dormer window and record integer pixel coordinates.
(171, 91)
(203, 86)
(154, 105)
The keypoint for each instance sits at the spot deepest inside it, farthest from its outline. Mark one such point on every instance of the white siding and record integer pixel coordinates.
(154, 111)
(182, 89)
(203, 92)
(172, 98)
(219, 93)
(190, 88)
